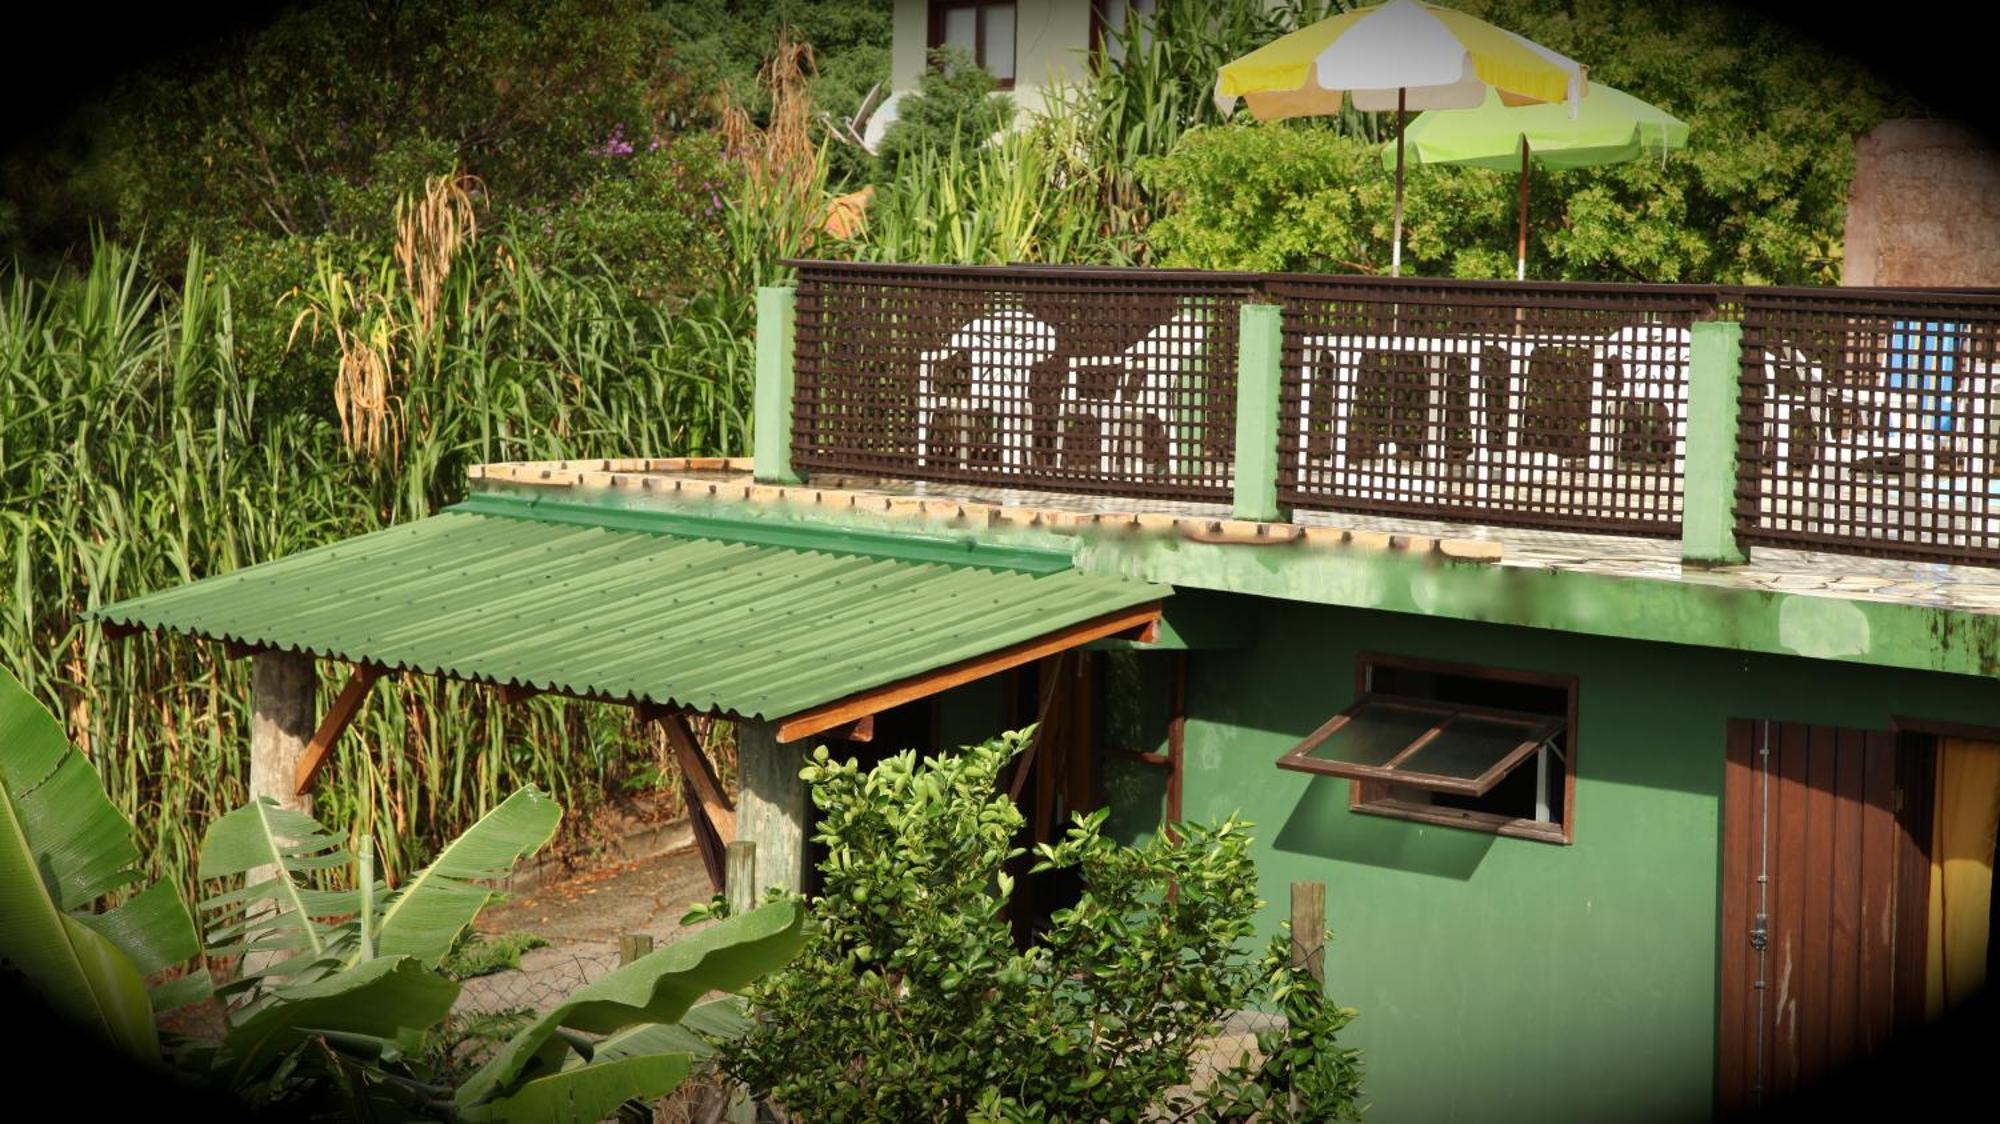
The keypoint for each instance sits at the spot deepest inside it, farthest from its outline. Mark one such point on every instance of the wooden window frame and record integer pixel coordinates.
(1536, 729)
(1375, 798)
(934, 37)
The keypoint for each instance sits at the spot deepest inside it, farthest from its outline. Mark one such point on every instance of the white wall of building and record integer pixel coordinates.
(1052, 41)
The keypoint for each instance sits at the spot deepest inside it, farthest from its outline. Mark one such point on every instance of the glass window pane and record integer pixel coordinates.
(998, 22)
(961, 28)
(1377, 732)
(1466, 749)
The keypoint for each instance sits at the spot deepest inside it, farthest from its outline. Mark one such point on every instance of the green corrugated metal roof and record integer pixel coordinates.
(752, 618)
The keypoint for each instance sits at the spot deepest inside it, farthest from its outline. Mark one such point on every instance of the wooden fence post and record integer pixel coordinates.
(1259, 346)
(1708, 493)
(1309, 928)
(632, 946)
(771, 438)
(739, 880)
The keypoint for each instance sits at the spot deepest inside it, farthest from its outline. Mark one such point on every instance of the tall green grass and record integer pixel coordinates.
(134, 455)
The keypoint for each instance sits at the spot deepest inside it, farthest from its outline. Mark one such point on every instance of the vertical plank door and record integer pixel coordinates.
(1818, 843)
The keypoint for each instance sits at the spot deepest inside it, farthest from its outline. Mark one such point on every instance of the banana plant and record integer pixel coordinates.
(647, 1015)
(340, 997)
(366, 982)
(63, 849)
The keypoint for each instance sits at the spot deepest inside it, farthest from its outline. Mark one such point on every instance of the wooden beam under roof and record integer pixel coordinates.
(700, 774)
(1138, 621)
(338, 717)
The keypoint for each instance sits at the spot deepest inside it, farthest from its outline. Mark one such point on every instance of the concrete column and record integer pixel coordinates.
(281, 723)
(1708, 492)
(772, 807)
(1259, 344)
(772, 410)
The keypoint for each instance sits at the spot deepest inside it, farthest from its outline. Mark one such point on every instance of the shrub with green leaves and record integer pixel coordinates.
(911, 1001)
(954, 100)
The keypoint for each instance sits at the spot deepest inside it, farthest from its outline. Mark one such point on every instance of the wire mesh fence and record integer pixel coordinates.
(1866, 423)
(1561, 406)
(1081, 380)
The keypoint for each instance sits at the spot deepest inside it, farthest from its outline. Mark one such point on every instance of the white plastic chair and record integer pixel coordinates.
(1002, 348)
(1143, 379)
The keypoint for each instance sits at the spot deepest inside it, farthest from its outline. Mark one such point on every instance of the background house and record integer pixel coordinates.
(1027, 45)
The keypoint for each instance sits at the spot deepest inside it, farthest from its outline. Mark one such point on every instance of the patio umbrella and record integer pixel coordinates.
(1612, 127)
(1401, 55)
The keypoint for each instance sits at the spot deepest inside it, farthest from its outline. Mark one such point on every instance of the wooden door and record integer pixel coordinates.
(1824, 883)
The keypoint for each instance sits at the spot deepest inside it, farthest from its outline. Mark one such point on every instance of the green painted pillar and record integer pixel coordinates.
(777, 319)
(1708, 499)
(1259, 342)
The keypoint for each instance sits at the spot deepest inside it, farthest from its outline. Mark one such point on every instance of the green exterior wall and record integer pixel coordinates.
(1496, 978)
(1508, 979)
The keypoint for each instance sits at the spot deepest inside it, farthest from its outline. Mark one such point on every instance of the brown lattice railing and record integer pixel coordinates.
(1079, 380)
(1867, 422)
(1560, 406)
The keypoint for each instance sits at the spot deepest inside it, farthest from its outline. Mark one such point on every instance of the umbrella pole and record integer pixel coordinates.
(1521, 251)
(1396, 250)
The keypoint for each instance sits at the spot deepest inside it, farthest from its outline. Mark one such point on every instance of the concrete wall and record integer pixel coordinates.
(1924, 207)
(1050, 37)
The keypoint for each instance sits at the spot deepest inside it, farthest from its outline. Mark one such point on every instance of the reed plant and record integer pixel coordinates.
(134, 455)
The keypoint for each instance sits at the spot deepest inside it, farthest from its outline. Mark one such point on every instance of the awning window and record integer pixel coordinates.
(1419, 743)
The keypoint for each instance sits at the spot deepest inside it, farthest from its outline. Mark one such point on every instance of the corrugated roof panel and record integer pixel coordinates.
(756, 620)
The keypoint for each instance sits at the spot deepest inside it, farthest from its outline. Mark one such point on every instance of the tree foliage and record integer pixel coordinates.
(1758, 197)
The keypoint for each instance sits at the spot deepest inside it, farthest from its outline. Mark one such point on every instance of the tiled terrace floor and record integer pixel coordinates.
(1962, 587)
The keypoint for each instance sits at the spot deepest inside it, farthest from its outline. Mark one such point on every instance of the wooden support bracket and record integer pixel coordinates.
(699, 774)
(338, 717)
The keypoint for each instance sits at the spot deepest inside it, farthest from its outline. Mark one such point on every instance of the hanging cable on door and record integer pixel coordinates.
(1760, 931)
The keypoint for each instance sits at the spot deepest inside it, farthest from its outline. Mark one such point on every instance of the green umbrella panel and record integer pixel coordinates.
(1609, 127)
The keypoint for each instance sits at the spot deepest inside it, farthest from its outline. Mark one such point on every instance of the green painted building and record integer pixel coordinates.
(1619, 658)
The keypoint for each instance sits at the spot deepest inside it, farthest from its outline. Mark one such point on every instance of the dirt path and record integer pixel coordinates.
(582, 918)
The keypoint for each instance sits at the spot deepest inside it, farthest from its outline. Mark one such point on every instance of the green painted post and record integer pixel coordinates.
(1708, 496)
(1258, 345)
(772, 441)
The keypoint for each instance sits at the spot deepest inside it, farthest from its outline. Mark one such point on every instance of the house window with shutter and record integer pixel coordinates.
(1482, 748)
(983, 30)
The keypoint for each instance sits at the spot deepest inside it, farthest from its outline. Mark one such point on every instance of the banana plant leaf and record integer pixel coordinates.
(432, 909)
(589, 1092)
(385, 998)
(658, 988)
(62, 847)
(273, 916)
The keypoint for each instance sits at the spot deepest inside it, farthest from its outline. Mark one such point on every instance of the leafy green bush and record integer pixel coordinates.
(911, 1001)
(1304, 197)
(953, 106)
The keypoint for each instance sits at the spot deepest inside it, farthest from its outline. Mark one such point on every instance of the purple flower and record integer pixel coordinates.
(615, 144)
